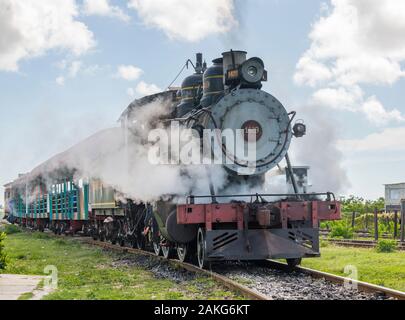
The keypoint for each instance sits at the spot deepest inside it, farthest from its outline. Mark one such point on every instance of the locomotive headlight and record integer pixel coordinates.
(299, 130)
(252, 70)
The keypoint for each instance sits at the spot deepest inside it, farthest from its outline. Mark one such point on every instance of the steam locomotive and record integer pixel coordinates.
(204, 227)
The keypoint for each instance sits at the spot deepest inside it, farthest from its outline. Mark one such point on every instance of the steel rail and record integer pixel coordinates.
(230, 284)
(245, 291)
(361, 285)
(360, 243)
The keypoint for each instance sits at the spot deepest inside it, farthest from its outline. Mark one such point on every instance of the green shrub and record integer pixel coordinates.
(3, 256)
(323, 243)
(11, 229)
(385, 245)
(340, 230)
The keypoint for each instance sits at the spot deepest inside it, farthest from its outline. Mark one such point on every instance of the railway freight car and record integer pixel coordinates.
(202, 228)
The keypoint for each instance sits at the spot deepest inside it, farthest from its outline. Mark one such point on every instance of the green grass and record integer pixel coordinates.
(384, 269)
(89, 273)
(26, 296)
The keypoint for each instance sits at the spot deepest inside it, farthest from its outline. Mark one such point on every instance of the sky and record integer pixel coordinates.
(68, 68)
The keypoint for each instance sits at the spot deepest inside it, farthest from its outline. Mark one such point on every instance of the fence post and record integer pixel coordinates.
(353, 218)
(402, 220)
(366, 222)
(375, 224)
(395, 224)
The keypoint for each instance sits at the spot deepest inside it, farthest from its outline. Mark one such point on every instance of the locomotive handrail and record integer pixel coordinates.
(257, 195)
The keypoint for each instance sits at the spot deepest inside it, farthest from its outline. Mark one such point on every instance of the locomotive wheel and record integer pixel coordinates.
(292, 263)
(167, 252)
(201, 250)
(187, 252)
(182, 252)
(157, 248)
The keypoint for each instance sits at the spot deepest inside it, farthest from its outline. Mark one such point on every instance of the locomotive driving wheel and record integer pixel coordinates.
(186, 252)
(167, 251)
(156, 247)
(201, 250)
(182, 252)
(292, 263)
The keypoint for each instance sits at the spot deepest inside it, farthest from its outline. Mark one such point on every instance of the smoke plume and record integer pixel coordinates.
(318, 149)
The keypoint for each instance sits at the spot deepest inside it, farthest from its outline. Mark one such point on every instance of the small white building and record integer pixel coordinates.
(394, 193)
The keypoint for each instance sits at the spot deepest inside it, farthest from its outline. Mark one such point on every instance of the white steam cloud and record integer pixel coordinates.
(319, 150)
(127, 167)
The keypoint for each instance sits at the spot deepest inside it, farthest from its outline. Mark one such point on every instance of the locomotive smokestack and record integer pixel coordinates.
(199, 63)
(232, 60)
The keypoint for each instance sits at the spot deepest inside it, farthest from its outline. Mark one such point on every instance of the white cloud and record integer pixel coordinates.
(355, 42)
(129, 72)
(145, 89)
(338, 98)
(311, 72)
(390, 139)
(30, 28)
(103, 8)
(377, 114)
(74, 68)
(60, 81)
(187, 20)
(93, 69)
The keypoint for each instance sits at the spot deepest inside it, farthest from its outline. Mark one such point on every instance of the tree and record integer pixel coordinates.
(360, 205)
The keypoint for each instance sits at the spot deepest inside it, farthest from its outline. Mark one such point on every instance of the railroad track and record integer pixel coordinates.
(361, 286)
(329, 286)
(230, 284)
(360, 243)
(328, 281)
